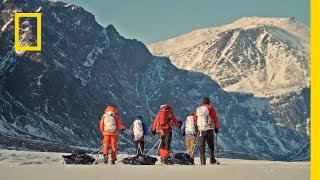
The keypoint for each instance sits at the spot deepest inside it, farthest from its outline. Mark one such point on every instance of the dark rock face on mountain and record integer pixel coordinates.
(59, 94)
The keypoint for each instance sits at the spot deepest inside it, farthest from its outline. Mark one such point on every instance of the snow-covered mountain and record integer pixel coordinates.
(60, 93)
(266, 57)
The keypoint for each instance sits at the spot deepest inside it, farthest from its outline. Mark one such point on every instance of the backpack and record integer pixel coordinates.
(109, 122)
(140, 160)
(190, 126)
(203, 118)
(179, 158)
(78, 157)
(164, 118)
(137, 129)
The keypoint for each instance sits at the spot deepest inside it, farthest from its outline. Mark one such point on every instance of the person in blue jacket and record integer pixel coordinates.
(189, 131)
(138, 131)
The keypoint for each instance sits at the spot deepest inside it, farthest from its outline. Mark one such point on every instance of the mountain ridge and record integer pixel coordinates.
(265, 40)
(237, 24)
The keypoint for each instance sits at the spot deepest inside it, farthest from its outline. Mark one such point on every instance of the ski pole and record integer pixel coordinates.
(131, 152)
(151, 142)
(195, 143)
(97, 149)
(146, 141)
(99, 154)
(153, 147)
(158, 147)
(179, 142)
(218, 163)
(119, 142)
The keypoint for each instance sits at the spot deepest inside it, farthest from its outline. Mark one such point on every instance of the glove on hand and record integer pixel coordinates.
(153, 132)
(216, 130)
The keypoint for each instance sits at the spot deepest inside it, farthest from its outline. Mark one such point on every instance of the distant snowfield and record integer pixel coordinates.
(43, 165)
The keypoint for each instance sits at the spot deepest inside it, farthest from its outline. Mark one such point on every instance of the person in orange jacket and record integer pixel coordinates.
(163, 125)
(109, 123)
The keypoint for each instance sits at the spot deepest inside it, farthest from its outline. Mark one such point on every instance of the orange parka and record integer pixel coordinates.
(118, 120)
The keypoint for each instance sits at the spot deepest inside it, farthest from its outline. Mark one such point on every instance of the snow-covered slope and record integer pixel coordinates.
(39, 165)
(263, 56)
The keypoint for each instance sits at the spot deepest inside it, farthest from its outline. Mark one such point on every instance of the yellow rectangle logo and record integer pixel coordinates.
(17, 46)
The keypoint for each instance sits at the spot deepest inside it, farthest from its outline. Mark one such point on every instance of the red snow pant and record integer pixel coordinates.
(166, 138)
(110, 140)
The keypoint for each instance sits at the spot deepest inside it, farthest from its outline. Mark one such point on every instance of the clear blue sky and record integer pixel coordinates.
(155, 20)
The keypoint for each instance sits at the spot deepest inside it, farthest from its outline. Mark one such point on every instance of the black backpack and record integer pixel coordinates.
(140, 160)
(78, 157)
(180, 158)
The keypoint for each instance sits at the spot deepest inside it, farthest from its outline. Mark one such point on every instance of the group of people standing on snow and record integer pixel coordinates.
(198, 125)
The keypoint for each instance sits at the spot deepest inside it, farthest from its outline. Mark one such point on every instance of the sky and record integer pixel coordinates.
(152, 21)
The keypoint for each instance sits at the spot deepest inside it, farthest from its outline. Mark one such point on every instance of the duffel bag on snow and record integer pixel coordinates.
(140, 160)
(180, 158)
(78, 157)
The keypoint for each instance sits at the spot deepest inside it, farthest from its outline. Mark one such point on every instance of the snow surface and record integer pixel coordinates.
(44, 165)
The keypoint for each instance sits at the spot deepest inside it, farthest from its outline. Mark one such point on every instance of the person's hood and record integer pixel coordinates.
(112, 109)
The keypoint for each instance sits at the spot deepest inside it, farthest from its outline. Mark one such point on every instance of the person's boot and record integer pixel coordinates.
(203, 160)
(112, 162)
(105, 159)
(212, 159)
(164, 160)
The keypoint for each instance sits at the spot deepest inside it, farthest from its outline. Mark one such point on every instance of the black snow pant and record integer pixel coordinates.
(139, 145)
(209, 137)
(166, 138)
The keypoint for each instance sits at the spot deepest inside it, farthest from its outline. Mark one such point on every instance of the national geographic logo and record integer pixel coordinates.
(17, 17)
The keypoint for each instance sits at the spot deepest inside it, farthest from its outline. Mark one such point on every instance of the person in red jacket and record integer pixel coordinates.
(109, 123)
(206, 117)
(163, 125)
